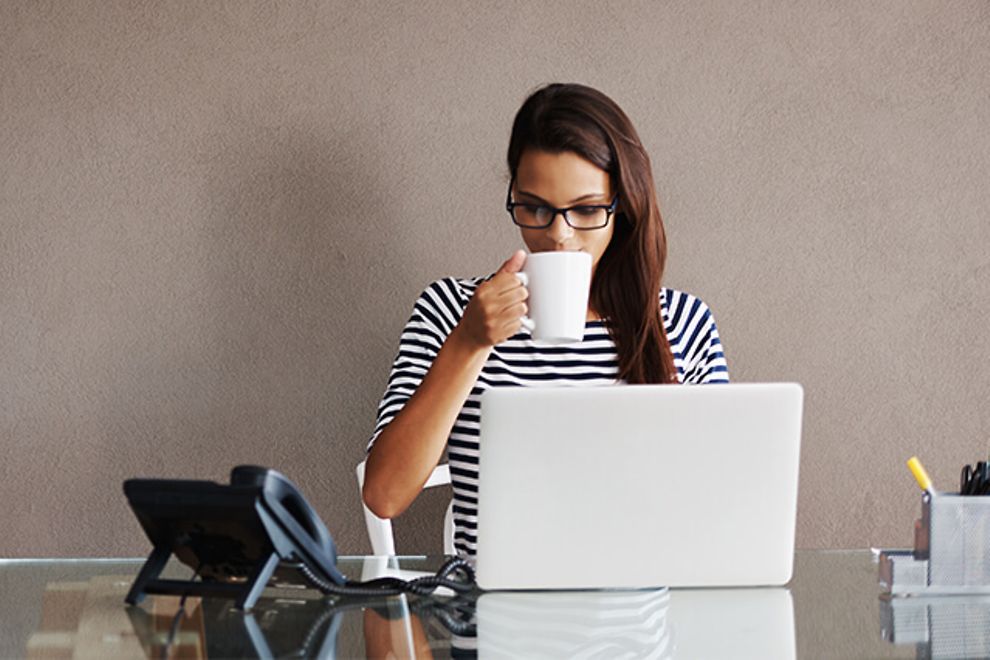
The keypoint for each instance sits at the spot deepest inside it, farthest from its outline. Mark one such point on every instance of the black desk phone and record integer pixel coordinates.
(235, 537)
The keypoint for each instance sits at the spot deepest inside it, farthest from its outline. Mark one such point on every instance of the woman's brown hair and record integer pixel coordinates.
(626, 287)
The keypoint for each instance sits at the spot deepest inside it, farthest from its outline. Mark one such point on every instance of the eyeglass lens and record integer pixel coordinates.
(579, 217)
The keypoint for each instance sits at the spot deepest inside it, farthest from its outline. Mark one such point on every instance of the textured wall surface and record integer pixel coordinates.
(215, 217)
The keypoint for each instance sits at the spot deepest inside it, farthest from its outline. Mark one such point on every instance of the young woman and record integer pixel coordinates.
(580, 180)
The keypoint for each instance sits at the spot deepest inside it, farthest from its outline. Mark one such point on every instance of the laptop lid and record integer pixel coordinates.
(638, 486)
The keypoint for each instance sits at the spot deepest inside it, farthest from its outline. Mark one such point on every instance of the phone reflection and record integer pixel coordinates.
(703, 623)
(275, 629)
(394, 626)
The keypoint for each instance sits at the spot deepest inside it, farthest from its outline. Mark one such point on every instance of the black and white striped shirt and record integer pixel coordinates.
(519, 362)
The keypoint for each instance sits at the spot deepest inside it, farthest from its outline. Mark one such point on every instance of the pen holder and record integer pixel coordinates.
(951, 549)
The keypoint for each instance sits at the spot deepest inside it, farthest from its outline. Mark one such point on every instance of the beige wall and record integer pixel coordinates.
(214, 218)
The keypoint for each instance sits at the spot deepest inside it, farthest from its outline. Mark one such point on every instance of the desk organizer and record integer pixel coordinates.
(951, 549)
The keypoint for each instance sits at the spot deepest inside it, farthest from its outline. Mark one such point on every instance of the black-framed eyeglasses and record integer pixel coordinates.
(582, 217)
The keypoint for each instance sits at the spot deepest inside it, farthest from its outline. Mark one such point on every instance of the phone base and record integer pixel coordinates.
(245, 593)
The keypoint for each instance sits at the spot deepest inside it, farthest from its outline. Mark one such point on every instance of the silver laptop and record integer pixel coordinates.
(638, 486)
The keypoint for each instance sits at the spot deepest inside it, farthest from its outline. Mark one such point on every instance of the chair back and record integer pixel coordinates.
(380, 529)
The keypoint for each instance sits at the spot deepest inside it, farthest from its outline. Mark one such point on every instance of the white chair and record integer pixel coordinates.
(380, 530)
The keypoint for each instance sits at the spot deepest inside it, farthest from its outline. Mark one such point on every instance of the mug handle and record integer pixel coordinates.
(525, 320)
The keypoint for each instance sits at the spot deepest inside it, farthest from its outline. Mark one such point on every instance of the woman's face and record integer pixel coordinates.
(562, 180)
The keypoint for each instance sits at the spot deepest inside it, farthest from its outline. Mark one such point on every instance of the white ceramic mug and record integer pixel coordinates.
(558, 283)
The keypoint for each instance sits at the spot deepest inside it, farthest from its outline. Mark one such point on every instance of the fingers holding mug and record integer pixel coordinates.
(524, 320)
(492, 314)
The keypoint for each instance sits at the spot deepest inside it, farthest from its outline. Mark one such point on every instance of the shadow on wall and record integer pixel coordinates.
(296, 250)
(274, 337)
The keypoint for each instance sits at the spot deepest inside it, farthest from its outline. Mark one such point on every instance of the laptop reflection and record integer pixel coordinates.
(688, 623)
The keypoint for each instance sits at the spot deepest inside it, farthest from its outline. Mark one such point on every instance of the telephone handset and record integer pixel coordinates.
(310, 540)
(235, 537)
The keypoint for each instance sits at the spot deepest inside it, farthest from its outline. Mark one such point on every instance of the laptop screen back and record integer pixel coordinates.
(638, 486)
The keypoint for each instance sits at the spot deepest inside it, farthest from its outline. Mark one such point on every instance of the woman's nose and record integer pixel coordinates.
(559, 231)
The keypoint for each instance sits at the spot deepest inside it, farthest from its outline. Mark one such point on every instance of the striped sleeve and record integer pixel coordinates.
(704, 360)
(693, 338)
(435, 313)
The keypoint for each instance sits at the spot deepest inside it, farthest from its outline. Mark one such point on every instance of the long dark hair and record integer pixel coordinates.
(626, 287)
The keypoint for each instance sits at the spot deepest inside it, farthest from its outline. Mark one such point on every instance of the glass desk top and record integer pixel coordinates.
(831, 609)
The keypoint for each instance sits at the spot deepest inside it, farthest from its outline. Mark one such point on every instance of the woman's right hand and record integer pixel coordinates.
(496, 309)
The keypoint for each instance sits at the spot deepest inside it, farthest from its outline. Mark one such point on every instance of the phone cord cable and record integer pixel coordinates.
(455, 574)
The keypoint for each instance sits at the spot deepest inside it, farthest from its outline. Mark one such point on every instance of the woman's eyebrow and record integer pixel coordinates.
(582, 198)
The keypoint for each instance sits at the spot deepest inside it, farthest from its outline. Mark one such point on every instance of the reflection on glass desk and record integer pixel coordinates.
(753, 623)
(940, 626)
(832, 608)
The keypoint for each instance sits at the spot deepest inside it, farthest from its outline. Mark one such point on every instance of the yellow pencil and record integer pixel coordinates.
(920, 474)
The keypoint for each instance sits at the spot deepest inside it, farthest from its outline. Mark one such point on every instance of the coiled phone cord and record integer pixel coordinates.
(455, 574)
